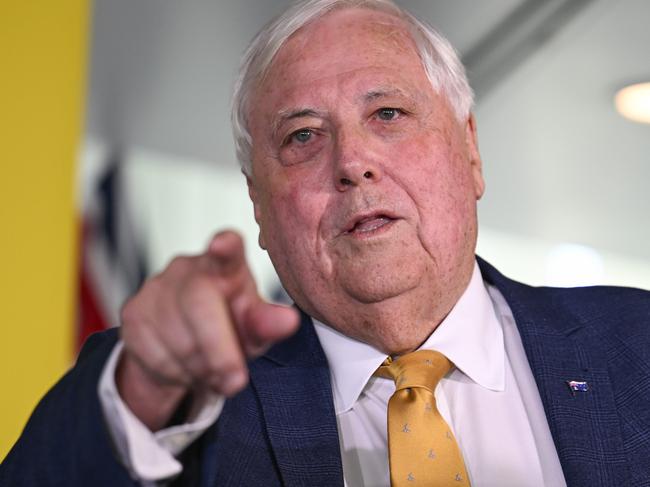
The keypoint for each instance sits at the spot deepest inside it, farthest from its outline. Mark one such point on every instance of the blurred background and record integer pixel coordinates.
(116, 153)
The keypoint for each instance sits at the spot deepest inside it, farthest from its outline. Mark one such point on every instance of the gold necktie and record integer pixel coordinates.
(422, 449)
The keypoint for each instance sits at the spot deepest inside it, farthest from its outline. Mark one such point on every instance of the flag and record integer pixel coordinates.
(112, 263)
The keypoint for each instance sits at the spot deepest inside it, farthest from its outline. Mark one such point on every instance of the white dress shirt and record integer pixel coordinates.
(149, 456)
(489, 399)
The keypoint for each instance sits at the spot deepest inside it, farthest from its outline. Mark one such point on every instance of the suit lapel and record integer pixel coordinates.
(561, 348)
(294, 390)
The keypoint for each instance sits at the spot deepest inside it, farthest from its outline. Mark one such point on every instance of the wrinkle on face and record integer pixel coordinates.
(391, 290)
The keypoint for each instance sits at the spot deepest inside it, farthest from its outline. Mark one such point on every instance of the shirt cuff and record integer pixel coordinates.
(150, 456)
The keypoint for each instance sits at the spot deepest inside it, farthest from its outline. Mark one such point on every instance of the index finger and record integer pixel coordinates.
(227, 249)
(225, 260)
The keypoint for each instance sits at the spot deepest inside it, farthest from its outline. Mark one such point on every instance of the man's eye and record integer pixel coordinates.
(388, 114)
(301, 136)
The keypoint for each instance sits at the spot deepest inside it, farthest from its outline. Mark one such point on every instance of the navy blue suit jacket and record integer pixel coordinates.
(281, 430)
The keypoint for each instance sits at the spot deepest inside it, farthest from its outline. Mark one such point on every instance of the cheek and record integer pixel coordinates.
(438, 180)
(438, 169)
(291, 230)
(292, 211)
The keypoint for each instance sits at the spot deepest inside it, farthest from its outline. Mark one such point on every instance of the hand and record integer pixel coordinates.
(191, 328)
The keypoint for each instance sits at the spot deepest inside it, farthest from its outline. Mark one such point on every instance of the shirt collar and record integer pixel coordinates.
(470, 336)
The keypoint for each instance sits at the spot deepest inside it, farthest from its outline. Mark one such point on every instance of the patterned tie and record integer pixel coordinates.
(422, 448)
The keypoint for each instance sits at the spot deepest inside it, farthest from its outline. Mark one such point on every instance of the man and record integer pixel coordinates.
(353, 125)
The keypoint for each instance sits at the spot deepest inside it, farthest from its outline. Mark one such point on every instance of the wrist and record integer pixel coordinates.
(151, 400)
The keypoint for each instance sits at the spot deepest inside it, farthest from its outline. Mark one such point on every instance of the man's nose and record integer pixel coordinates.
(355, 163)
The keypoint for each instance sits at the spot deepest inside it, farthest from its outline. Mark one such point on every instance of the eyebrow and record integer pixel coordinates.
(382, 93)
(292, 113)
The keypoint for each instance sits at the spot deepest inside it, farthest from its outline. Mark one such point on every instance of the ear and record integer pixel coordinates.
(471, 141)
(252, 193)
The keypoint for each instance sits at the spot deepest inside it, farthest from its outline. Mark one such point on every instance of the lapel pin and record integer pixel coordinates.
(577, 386)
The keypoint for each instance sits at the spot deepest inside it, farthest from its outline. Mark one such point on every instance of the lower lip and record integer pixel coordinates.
(377, 227)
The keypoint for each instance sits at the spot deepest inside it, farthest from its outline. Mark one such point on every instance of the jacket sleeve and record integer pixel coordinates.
(66, 442)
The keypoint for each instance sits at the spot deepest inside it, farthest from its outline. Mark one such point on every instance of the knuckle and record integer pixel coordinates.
(132, 320)
(196, 366)
(165, 368)
(198, 295)
(226, 363)
(140, 309)
(135, 342)
(198, 283)
(177, 261)
(129, 313)
(178, 265)
(186, 350)
(153, 285)
(135, 307)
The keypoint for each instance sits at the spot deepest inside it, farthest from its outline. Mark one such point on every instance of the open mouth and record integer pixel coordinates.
(369, 224)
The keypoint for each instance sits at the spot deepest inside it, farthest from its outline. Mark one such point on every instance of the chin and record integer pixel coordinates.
(399, 341)
(394, 326)
(375, 284)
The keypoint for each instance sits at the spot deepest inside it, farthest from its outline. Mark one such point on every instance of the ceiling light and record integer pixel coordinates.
(633, 102)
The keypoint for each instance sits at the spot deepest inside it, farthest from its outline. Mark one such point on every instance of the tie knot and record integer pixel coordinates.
(423, 368)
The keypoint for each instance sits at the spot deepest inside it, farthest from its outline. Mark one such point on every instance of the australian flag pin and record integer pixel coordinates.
(577, 386)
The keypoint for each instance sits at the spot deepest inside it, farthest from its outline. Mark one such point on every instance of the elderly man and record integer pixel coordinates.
(408, 364)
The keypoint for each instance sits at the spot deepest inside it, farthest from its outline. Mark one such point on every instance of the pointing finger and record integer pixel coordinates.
(227, 250)
(265, 324)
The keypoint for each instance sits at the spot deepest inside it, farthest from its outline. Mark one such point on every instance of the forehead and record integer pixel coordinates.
(377, 30)
(336, 46)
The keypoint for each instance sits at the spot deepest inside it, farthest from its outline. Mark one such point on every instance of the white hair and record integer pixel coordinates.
(439, 59)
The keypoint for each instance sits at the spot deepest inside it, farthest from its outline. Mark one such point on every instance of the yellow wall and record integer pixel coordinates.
(42, 66)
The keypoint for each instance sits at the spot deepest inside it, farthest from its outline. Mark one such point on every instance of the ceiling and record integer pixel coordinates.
(553, 143)
(560, 163)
